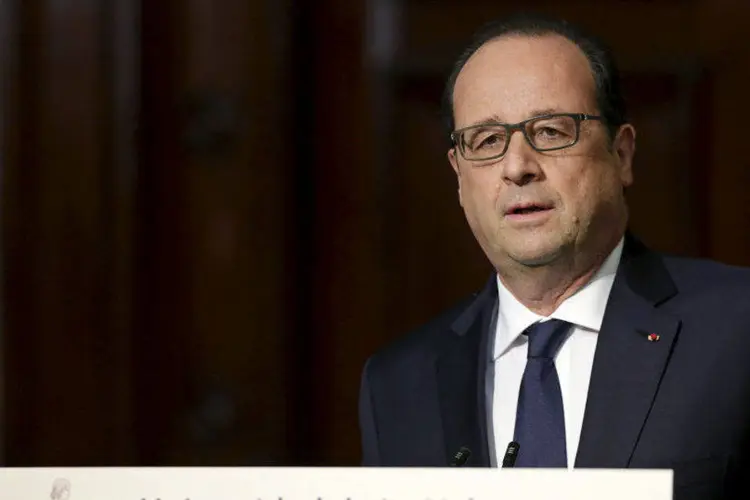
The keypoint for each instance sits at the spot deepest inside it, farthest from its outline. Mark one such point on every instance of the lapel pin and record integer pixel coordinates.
(653, 337)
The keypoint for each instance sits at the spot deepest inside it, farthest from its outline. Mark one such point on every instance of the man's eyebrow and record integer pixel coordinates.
(496, 119)
(491, 120)
(545, 111)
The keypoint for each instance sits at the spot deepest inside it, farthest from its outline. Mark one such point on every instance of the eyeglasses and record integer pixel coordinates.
(543, 133)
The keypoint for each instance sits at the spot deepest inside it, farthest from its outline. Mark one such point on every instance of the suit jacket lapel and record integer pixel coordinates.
(628, 365)
(461, 373)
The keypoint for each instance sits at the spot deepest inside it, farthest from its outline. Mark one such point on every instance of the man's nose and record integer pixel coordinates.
(520, 163)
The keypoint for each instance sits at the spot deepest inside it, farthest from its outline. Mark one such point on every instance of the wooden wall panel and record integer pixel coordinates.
(64, 228)
(8, 89)
(347, 273)
(161, 362)
(667, 111)
(241, 267)
(148, 235)
(220, 303)
(727, 174)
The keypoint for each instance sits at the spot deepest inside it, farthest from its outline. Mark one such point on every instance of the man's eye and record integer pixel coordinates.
(549, 132)
(489, 141)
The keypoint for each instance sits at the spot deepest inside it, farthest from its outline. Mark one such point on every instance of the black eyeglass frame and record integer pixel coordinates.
(512, 127)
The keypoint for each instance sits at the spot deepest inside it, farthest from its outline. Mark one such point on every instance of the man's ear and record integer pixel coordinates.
(624, 148)
(454, 163)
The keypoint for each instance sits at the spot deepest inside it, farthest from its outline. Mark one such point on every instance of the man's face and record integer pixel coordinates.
(531, 207)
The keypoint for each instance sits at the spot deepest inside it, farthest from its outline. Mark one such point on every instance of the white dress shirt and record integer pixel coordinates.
(585, 311)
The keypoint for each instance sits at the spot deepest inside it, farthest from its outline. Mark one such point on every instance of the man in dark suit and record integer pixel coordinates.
(586, 348)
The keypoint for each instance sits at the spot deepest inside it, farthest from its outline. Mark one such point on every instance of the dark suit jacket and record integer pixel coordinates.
(682, 402)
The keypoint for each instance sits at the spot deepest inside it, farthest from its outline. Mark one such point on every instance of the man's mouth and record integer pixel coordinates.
(528, 208)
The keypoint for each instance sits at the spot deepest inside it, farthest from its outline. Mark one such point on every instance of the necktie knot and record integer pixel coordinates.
(545, 338)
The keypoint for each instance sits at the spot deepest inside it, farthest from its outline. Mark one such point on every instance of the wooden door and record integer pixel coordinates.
(149, 286)
(69, 170)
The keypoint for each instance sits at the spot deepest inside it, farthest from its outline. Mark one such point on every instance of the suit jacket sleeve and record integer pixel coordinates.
(368, 429)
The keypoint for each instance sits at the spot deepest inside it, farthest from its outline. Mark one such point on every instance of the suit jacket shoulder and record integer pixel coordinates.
(701, 276)
(419, 399)
(420, 341)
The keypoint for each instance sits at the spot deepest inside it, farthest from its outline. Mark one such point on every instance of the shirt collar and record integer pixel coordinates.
(585, 308)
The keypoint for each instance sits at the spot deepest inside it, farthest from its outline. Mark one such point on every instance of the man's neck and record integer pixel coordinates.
(543, 288)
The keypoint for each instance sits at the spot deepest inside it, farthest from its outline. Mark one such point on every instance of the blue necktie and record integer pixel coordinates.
(540, 421)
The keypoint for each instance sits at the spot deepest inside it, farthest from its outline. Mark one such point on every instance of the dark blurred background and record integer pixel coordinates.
(214, 210)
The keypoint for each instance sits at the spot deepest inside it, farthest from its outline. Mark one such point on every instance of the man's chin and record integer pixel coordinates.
(537, 261)
(542, 254)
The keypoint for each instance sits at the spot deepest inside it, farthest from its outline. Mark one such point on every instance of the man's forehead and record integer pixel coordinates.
(516, 74)
(519, 50)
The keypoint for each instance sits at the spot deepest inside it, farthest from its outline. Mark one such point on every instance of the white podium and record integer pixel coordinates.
(305, 483)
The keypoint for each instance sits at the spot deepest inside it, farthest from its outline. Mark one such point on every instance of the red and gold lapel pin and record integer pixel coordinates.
(653, 337)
